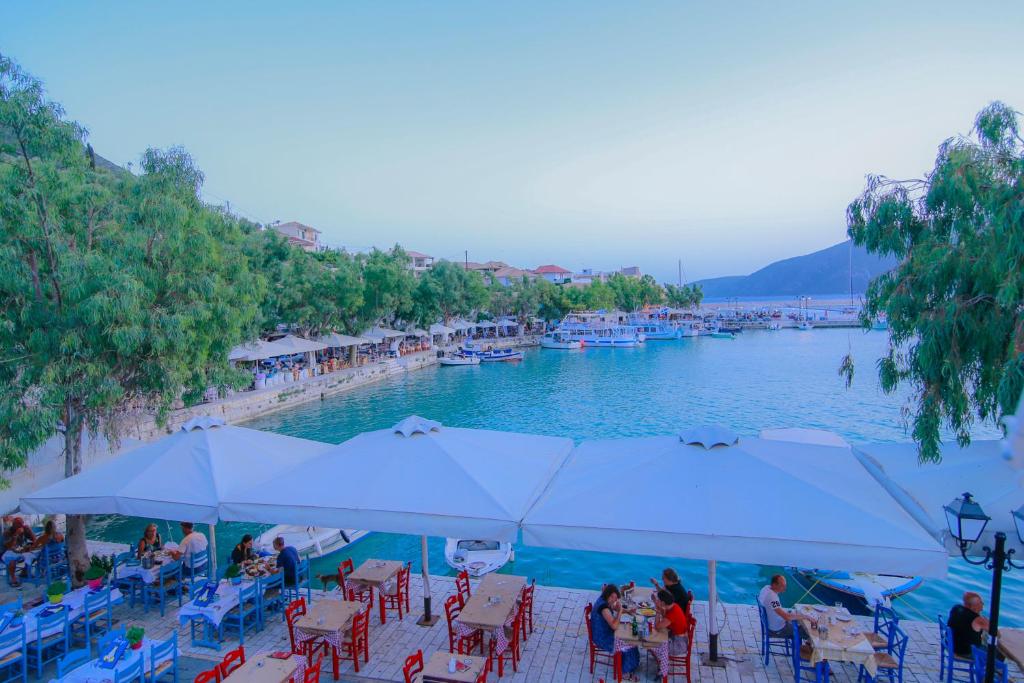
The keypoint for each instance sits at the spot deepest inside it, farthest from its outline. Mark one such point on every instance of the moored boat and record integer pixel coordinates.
(805, 325)
(475, 556)
(723, 335)
(559, 340)
(458, 359)
(308, 540)
(859, 592)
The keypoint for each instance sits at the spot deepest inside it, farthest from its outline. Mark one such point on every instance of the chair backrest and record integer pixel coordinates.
(462, 585)
(198, 563)
(689, 603)
(361, 624)
(170, 570)
(53, 554)
(162, 650)
(452, 609)
(134, 671)
(979, 660)
(211, 676)
(270, 582)
(108, 638)
(57, 619)
(312, 674)
(302, 570)
(98, 600)
(527, 593)
(13, 639)
(413, 665)
(232, 660)
(403, 579)
(346, 567)
(247, 596)
(587, 611)
(295, 609)
(71, 661)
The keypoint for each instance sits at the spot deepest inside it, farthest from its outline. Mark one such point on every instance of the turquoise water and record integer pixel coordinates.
(760, 380)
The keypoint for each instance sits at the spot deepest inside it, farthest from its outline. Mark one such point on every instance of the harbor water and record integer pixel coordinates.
(759, 380)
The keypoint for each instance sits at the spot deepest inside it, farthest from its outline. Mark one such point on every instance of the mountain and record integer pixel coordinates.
(821, 272)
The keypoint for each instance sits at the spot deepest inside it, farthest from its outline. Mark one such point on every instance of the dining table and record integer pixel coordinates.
(92, 672)
(837, 637)
(73, 602)
(1011, 644)
(328, 619)
(493, 602)
(211, 615)
(375, 573)
(641, 601)
(267, 669)
(436, 669)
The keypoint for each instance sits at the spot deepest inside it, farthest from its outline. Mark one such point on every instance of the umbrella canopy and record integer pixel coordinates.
(299, 345)
(183, 476)
(258, 350)
(982, 469)
(335, 340)
(462, 325)
(378, 333)
(758, 501)
(418, 477)
(485, 325)
(803, 435)
(417, 332)
(440, 330)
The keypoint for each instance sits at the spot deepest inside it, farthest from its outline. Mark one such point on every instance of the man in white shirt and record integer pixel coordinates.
(778, 618)
(193, 542)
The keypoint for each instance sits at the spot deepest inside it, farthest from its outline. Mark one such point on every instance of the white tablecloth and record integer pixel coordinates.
(73, 601)
(94, 673)
(225, 601)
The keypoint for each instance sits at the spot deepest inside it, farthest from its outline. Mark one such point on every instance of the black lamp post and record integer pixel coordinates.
(967, 521)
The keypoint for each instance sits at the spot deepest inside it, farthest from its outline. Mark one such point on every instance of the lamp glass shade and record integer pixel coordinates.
(966, 519)
(1018, 520)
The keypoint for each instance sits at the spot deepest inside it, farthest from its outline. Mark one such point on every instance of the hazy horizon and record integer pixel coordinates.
(586, 134)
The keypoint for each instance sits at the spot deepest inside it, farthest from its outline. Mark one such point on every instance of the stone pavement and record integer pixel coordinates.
(555, 652)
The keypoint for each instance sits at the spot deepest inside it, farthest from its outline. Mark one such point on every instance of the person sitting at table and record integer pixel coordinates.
(287, 560)
(193, 542)
(49, 535)
(674, 586)
(778, 618)
(17, 537)
(604, 619)
(243, 552)
(150, 541)
(672, 618)
(968, 625)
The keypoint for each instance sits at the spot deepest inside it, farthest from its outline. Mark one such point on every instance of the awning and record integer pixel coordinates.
(336, 340)
(440, 330)
(299, 345)
(258, 350)
(378, 333)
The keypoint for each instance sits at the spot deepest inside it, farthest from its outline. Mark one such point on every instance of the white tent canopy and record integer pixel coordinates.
(417, 332)
(984, 469)
(299, 345)
(378, 333)
(336, 340)
(438, 329)
(759, 501)
(803, 435)
(462, 325)
(416, 478)
(485, 325)
(258, 350)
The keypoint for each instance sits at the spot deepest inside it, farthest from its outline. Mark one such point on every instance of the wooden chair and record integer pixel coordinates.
(597, 655)
(462, 586)
(413, 665)
(526, 599)
(482, 678)
(232, 660)
(359, 640)
(400, 598)
(359, 591)
(211, 676)
(679, 665)
(511, 653)
(312, 674)
(464, 644)
(292, 612)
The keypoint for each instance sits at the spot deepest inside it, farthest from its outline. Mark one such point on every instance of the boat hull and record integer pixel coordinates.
(315, 541)
(476, 562)
(562, 346)
(459, 361)
(830, 588)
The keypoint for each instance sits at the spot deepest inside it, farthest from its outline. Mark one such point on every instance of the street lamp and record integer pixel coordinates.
(967, 521)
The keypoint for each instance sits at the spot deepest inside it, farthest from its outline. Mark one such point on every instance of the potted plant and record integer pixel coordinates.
(94, 576)
(233, 574)
(55, 591)
(134, 636)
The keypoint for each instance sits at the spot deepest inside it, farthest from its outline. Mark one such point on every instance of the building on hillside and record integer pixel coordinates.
(507, 275)
(488, 268)
(299, 234)
(589, 275)
(419, 263)
(552, 273)
(631, 271)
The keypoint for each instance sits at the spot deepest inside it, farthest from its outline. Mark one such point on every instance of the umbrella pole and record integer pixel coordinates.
(428, 619)
(213, 552)
(712, 657)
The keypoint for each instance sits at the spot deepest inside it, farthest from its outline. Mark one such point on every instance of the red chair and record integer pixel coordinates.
(232, 660)
(464, 644)
(312, 673)
(511, 653)
(413, 665)
(482, 678)
(526, 600)
(462, 586)
(211, 676)
(679, 665)
(358, 642)
(292, 612)
(361, 592)
(398, 599)
(599, 656)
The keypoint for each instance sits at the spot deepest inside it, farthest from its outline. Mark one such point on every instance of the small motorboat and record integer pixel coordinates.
(477, 557)
(805, 325)
(459, 359)
(500, 355)
(732, 329)
(723, 335)
(774, 326)
(859, 592)
(559, 340)
(308, 540)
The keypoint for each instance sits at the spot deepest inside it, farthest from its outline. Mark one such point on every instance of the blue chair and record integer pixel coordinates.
(781, 645)
(978, 662)
(11, 606)
(166, 650)
(885, 619)
(168, 582)
(890, 662)
(294, 591)
(134, 671)
(72, 661)
(50, 565)
(108, 638)
(195, 570)
(131, 586)
(48, 648)
(951, 664)
(801, 653)
(14, 638)
(97, 617)
(271, 596)
(245, 615)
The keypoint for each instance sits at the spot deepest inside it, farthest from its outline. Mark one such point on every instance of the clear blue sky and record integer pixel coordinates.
(579, 133)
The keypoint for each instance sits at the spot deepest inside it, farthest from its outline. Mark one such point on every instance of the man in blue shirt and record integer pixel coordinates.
(287, 560)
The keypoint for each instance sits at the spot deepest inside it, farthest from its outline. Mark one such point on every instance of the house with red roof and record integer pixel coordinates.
(552, 273)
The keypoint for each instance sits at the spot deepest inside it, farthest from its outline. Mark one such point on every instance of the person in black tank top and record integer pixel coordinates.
(967, 625)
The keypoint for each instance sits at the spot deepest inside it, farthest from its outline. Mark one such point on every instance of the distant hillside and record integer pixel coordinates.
(822, 272)
(6, 137)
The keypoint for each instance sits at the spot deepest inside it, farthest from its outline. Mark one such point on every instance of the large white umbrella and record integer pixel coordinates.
(417, 477)
(379, 333)
(299, 345)
(183, 476)
(336, 340)
(258, 350)
(438, 330)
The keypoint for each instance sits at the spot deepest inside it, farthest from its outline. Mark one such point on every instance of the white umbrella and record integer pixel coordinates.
(258, 350)
(438, 330)
(417, 477)
(462, 325)
(335, 340)
(299, 345)
(183, 476)
(803, 435)
(378, 333)
(485, 325)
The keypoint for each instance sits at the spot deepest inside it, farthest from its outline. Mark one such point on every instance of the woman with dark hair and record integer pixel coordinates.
(674, 586)
(243, 552)
(604, 619)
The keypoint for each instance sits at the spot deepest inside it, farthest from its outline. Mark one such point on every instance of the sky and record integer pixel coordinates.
(586, 134)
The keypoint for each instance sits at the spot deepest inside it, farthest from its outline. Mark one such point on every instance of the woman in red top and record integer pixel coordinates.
(672, 617)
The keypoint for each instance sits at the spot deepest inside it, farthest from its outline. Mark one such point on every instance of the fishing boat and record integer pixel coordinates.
(688, 328)
(805, 325)
(559, 340)
(723, 335)
(458, 359)
(733, 329)
(476, 557)
(308, 540)
(656, 330)
(490, 354)
(593, 330)
(859, 592)
(774, 326)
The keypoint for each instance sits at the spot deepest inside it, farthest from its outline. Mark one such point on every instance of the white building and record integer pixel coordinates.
(419, 263)
(552, 273)
(299, 234)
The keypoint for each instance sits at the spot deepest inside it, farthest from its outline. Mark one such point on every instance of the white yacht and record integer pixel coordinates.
(308, 540)
(593, 330)
(559, 340)
(475, 556)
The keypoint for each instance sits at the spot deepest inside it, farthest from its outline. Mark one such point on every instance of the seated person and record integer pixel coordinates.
(287, 561)
(674, 586)
(243, 552)
(17, 538)
(968, 626)
(671, 617)
(778, 618)
(604, 619)
(193, 542)
(149, 542)
(49, 535)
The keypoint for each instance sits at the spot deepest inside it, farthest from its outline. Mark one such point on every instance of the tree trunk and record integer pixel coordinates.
(78, 554)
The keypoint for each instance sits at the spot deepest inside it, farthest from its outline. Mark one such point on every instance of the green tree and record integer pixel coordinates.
(633, 293)
(684, 296)
(448, 290)
(388, 287)
(118, 291)
(953, 302)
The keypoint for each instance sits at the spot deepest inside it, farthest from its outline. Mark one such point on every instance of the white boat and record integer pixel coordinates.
(723, 335)
(858, 591)
(308, 540)
(592, 330)
(805, 325)
(559, 340)
(476, 557)
(490, 355)
(655, 330)
(774, 326)
(459, 360)
(689, 328)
